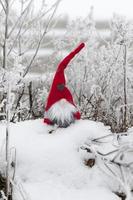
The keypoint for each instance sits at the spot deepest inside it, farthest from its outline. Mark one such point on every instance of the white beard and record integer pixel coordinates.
(61, 113)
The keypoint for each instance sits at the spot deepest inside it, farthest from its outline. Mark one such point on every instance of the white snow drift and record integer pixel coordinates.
(51, 167)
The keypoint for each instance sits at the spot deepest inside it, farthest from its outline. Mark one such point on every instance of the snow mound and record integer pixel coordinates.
(50, 165)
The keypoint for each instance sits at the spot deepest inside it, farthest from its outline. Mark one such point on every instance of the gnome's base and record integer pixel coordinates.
(54, 127)
(64, 124)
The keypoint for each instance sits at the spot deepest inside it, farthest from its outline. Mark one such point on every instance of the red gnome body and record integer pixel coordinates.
(60, 108)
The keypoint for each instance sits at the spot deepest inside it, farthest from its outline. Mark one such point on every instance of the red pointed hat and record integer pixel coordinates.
(58, 89)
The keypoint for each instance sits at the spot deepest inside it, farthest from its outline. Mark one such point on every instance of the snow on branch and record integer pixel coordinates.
(117, 163)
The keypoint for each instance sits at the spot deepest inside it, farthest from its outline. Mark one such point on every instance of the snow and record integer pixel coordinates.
(50, 166)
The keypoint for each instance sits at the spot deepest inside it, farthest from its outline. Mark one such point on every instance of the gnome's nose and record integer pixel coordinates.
(60, 87)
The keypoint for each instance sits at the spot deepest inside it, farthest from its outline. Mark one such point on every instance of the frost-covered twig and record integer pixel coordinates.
(102, 137)
(118, 170)
(20, 17)
(19, 187)
(42, 37)
(13, 161)
(2, 195)
(8, 112)
(3, 6)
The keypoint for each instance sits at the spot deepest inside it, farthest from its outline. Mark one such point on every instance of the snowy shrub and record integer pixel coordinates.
(102, 83)
(21, 35)
(100, 77)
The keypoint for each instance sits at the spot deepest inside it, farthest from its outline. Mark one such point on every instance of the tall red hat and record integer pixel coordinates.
(58, 89)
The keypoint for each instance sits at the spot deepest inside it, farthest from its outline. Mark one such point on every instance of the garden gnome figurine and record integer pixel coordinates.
(60, 108)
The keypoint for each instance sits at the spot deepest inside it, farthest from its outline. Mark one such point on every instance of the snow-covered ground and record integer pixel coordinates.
(51, 166)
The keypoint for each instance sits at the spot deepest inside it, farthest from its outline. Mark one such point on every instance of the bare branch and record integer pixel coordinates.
(37, 18)
(18, 34)
(3, 6)
(18, 20)
(43, 35)
(18, 101)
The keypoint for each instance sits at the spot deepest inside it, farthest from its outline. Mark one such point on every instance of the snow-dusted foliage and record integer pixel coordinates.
(22, 33)
(100, 77)
(102, 83)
